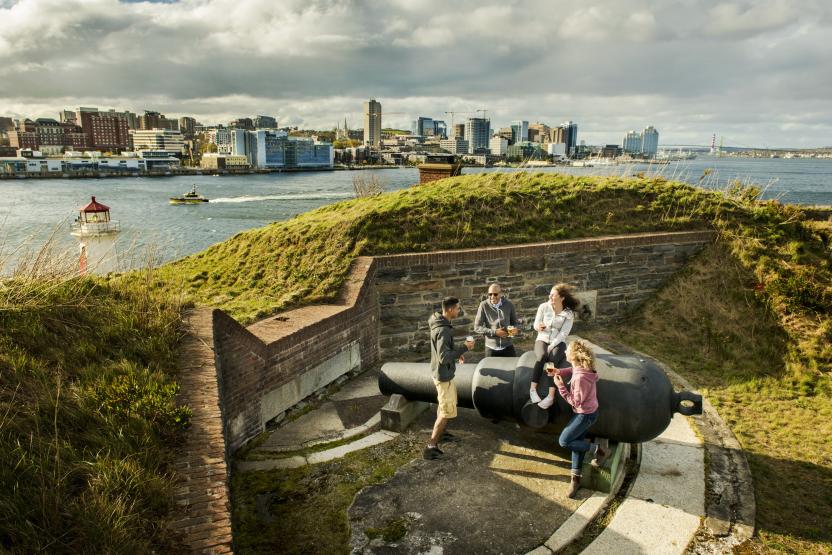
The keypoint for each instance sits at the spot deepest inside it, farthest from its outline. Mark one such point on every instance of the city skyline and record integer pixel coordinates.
(753, 73)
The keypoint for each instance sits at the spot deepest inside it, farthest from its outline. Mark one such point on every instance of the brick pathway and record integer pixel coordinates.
(202, 496)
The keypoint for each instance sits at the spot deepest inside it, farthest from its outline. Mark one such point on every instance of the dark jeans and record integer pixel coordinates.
(572, 437)
(542, 356)
(507, 352)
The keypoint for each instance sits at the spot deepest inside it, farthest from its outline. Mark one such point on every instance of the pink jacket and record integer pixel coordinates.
(582, 396)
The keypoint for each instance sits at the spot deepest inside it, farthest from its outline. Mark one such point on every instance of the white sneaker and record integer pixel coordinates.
(546, 403)
(534, 396)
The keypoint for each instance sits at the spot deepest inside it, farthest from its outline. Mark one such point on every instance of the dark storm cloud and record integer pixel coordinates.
(687, 66)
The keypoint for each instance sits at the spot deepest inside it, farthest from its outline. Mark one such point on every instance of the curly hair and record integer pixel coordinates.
(582, 354)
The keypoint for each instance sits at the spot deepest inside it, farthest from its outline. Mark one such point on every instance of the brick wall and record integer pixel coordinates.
(271, 365)
(614, 273)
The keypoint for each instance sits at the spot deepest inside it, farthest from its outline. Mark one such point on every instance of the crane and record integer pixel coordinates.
(454, 113)
(484, 113)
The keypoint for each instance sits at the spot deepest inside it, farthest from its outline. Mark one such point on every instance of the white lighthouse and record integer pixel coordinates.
(96, 234)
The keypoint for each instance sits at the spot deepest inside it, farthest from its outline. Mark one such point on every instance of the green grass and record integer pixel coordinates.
(87, 416)
(713, 324)
(304, 510)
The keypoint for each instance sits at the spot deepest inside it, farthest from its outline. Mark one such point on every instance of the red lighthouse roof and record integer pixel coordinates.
(94, 206)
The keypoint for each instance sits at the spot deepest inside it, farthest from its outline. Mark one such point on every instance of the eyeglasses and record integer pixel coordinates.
(494, 294)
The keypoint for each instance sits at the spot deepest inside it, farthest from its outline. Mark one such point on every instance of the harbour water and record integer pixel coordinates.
(32, 210)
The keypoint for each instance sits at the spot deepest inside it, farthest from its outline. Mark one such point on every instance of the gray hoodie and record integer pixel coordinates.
(488, 319)
(443, 356)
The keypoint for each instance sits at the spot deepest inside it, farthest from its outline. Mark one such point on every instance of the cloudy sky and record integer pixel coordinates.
(758, 73)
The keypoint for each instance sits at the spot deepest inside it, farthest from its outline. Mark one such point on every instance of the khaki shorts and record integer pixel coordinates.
(446, 398)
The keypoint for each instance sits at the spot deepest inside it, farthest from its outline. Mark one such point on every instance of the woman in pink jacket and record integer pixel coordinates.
(581, 394)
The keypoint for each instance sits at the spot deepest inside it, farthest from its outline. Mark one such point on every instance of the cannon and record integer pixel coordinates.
(636, 399)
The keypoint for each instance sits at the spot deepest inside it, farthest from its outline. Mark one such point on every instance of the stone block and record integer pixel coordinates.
(398, 413)
(526, 264)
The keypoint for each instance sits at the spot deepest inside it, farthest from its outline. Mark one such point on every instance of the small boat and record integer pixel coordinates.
(191, 197)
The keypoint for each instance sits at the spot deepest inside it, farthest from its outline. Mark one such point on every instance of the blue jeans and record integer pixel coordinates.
(572, 437)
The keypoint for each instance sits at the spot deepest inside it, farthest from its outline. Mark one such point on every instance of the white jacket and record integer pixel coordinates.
(558, 325)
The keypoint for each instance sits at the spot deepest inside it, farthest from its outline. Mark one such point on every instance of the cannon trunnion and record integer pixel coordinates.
(636, 399)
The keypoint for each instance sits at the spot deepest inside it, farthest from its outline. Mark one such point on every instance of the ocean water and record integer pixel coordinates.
(33, 210)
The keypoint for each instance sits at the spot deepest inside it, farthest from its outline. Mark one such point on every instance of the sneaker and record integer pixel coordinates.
(534, 396)
(546, 403)
(432, 453)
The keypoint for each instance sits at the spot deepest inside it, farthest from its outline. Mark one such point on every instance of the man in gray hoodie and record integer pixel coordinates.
(443, 357)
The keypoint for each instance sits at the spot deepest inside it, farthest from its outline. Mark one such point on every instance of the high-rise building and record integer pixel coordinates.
(519, 131)
(506, 133)
(649, 141)
(632, 142)
(220, 136)
(570, 136)
(477, 133)
(440, 129)
(155, 120)
(424, 127)
(265, 122)
(246, 124)
(459, 130)
(105, 130)
(372, 123)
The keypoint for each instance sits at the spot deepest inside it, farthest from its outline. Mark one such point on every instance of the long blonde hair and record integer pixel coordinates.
(582, 354)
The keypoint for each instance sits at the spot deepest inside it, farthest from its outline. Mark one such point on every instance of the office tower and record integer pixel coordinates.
(632, 142)
(265, 122)
(187, 126)
(570, 137)
(498, 145)
(159, 140)
(649, 141)
(459, 130)
(440, 129)
(477, 133)
(372, 123)
(539, 133)
(519, 131)
(454, 145)
(424, 127)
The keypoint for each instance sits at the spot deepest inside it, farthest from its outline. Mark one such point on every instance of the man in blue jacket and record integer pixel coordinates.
(443, 357)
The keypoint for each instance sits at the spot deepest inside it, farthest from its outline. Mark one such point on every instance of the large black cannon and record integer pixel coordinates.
(635, 396)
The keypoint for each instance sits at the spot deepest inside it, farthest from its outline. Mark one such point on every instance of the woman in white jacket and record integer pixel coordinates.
(553, 323)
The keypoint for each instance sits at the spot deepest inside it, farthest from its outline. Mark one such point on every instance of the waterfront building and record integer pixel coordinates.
(106, 131)
(372, 123)
(477, 133)
(519, 131)
(160, 140)
(632, 142)
(224, 162)
(498, 146)
(649, 141)
(524, 150)
(265, 122)
(266, 148)
(459, 130)
(456, 145)
(23, 139)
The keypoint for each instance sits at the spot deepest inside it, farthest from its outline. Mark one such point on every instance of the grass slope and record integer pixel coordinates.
(87, 416)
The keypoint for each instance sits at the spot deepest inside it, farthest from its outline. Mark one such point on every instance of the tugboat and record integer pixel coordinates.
(191, 197)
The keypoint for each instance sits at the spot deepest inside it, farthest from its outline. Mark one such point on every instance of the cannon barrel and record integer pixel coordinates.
(636, 399)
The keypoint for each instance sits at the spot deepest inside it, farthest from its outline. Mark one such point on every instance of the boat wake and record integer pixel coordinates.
(310, 196)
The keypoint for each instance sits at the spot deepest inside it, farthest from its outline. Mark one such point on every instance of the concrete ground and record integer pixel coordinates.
(499, 489)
